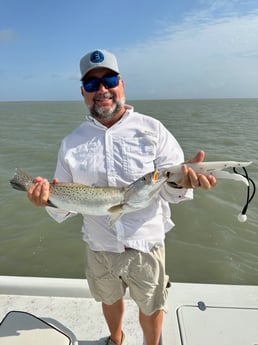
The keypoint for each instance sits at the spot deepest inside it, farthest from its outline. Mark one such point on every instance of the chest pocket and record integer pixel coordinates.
(138, 155)
(86, 162)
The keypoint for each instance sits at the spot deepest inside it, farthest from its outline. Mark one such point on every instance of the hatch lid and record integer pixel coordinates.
(202, 325)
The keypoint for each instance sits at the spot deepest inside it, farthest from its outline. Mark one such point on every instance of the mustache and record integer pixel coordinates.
(101, 96)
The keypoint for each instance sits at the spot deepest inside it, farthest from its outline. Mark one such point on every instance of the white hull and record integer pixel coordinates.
(230, 315)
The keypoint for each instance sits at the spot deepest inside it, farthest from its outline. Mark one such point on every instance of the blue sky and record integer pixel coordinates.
(167, 49)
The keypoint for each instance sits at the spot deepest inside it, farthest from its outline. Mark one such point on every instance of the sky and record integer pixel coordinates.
(169, 49)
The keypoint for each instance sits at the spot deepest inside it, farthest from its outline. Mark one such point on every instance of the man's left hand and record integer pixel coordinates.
(191, 179)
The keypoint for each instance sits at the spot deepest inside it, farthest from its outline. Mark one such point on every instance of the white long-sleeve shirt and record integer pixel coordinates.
(99, 156)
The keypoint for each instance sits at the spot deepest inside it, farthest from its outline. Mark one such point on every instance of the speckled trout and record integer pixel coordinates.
(98, 201)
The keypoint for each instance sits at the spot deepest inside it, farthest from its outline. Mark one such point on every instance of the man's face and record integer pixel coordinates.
(105, 102)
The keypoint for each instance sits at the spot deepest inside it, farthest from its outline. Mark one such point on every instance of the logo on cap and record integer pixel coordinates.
(97, 57)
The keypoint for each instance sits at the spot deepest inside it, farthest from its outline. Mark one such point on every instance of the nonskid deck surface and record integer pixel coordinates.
(199, 314)
(79, 317)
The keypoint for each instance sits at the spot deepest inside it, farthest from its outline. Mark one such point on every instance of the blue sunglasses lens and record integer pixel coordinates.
(92, 84)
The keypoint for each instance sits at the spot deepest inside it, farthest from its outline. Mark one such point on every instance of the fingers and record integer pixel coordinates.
(189, 178)
(193, 180)
(207, 182)
(212, 180)
(199, 157)
(38, 194)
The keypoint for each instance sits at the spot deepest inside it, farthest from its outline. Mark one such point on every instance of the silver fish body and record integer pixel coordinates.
(97, 201)
(83, 199)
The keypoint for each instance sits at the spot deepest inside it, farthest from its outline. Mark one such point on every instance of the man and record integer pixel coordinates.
(114, 147)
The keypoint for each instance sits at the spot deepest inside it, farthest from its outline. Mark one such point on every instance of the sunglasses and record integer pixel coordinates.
(109, 81)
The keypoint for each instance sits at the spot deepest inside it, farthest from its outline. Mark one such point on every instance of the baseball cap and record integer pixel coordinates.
(98, 58)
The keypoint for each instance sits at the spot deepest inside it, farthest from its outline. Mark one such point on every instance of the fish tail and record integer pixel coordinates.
(21, 180)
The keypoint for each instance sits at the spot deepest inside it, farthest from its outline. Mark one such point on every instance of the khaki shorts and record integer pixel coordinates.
(109, 274)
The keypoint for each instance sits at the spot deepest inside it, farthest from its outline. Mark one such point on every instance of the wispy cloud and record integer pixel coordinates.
(7, 35)
(206, 55)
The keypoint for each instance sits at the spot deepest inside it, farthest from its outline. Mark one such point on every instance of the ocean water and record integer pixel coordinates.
(207, 245)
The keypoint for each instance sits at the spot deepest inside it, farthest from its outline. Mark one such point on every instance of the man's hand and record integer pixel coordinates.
(191, 179)
(38, 194)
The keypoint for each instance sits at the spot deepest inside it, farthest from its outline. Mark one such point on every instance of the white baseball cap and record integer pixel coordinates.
(98, 58)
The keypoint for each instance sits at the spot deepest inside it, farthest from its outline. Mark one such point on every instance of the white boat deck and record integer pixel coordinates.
(199, 314)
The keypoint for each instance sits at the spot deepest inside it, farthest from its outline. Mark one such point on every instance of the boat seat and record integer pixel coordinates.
(22, 328)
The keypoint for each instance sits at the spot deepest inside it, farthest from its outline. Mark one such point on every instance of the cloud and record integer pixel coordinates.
(7, 35)
(205, 55)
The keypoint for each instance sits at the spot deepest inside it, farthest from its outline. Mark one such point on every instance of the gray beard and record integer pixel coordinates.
(100, 113)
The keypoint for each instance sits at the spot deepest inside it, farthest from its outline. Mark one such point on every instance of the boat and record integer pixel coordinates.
(60, 311)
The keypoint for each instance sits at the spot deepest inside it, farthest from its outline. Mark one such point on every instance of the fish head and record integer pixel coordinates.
(147, 179)
(145, 188)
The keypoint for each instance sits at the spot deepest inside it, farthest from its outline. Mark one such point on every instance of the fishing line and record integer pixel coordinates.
(242, 217)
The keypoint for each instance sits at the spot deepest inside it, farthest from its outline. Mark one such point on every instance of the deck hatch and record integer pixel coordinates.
(218, 325)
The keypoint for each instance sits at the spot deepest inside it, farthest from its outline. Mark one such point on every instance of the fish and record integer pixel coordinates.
(97, 201)
(174, 173)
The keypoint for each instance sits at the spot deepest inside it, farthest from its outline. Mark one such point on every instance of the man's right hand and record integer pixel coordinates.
(38, 193)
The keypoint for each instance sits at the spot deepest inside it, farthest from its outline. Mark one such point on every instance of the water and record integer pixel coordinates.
(207, 245)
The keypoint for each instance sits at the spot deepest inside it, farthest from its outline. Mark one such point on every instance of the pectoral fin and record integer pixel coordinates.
(115, 212)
